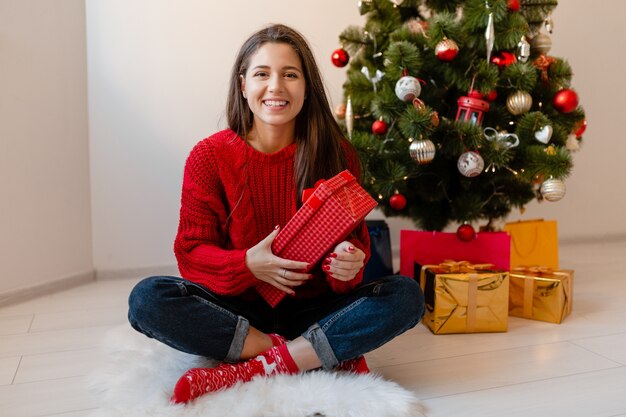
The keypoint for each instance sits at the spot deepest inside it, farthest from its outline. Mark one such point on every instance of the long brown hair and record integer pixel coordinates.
(319, 152)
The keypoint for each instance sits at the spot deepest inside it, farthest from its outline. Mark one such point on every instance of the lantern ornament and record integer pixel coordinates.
(472, 108)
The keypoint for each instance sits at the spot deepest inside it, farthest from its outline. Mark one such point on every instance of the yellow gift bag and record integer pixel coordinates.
(534, 242)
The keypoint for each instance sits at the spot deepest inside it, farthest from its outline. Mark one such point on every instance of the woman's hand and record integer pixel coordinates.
(278, 272)
(344, 262)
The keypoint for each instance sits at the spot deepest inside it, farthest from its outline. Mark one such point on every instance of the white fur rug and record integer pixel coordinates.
(139, 375)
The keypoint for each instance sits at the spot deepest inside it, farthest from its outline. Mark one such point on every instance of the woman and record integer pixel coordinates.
(240, 185)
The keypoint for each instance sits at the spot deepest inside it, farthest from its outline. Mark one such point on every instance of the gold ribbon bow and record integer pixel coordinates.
(453, 267)
(541, 271)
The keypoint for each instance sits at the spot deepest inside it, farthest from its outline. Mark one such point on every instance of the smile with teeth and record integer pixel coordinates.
(275, 103)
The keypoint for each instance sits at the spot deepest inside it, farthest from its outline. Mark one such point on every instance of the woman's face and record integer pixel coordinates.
(274, 86)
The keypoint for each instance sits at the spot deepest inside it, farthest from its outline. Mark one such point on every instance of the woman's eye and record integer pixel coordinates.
(291, 75)
(260, 74)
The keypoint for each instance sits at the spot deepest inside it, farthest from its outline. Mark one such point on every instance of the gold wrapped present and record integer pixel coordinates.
(540, 293)
(465, 298)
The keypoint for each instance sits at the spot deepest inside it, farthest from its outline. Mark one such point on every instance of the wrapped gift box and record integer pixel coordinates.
(327, 217)
(464, 298)
(541, 293)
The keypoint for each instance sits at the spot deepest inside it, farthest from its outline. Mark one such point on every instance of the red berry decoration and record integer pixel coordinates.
(397, 201)
(379, 127)
(466, 232)
(491, 96)
(340, 57)
(580, 128)
(513, 5)
(565, 100)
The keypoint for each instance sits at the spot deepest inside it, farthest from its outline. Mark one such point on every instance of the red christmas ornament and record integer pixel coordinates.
(580, 128)
(513, 5)
(397, 201)
(503, 59)
(491, 96)
(379, 127)
(565, 100)
(446, 50)
(466, 232)
(340, 57)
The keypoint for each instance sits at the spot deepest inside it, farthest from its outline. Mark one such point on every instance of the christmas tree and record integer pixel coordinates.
(456, 108)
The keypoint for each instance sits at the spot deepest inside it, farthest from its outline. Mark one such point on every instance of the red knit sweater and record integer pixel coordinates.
(232, 197)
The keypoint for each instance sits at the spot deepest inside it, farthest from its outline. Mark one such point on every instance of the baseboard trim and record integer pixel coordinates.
(138, 272)
(26, 293)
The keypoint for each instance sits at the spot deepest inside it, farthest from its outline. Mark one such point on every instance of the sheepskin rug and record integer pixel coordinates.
(139, 374)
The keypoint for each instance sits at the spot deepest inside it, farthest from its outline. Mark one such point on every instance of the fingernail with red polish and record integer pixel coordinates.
(333, 255)
(350, 248)
(327, 261)
(276, 227)
(325, 267)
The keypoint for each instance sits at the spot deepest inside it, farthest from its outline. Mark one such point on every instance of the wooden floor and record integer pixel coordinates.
(578, 368)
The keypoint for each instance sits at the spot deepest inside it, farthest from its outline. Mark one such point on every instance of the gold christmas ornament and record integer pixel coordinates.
(552, 189)
(519, 102)
(422, 151)
(541, 44)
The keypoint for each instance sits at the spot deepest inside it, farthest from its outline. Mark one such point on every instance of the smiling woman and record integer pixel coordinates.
(240, 187)
(275, 89)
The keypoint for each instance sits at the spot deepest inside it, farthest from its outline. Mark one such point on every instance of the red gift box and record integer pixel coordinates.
(327, 217)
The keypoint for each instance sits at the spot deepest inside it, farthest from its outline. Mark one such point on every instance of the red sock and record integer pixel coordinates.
(356, 365)
(198, 381)
(277, 339)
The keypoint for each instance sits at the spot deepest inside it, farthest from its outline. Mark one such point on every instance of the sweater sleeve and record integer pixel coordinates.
(202, 249)
(359, 237)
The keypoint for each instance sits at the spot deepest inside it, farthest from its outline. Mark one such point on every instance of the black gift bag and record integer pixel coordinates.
(379, 264)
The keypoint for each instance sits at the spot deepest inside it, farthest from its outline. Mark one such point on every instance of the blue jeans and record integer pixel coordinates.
(192, 319)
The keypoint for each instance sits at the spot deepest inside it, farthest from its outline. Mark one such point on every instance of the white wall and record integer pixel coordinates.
(45, 220)
(158, 72)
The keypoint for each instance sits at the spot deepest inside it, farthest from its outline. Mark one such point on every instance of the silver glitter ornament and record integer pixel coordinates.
(552, 189)
(422, 151)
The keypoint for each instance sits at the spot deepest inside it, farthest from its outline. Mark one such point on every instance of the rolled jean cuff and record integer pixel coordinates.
(239, 338)
(318, 340)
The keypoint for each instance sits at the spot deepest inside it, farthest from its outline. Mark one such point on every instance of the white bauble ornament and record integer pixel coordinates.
(422, 151)
(408, 88)
(470, 164)
(552, 189)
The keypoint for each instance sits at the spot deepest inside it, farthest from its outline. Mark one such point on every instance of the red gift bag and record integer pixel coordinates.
(437, 247)
(326, 218)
